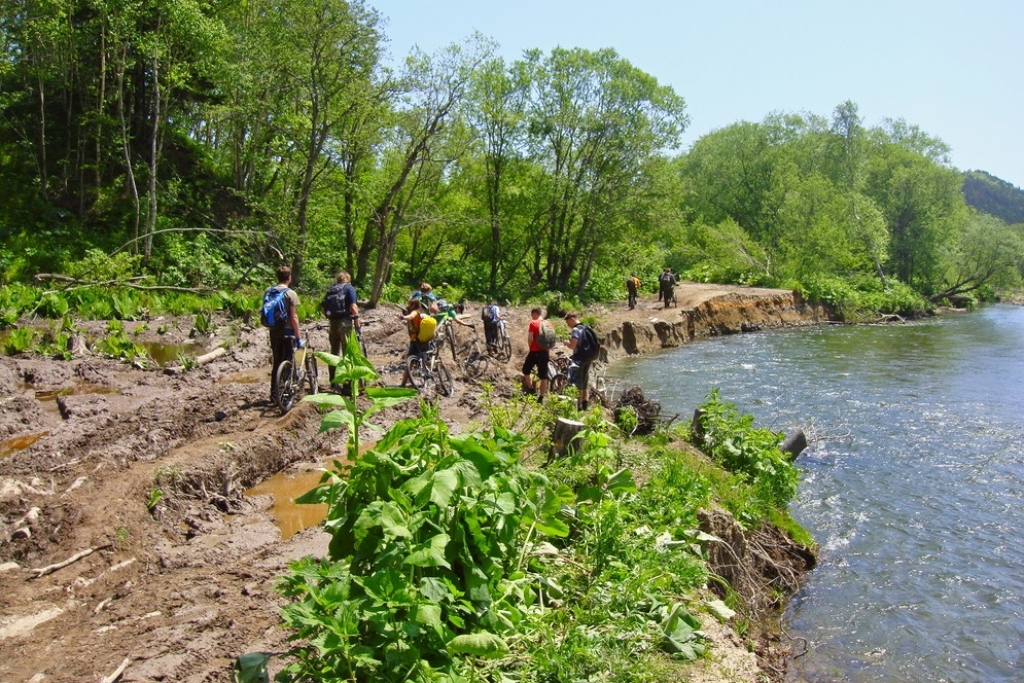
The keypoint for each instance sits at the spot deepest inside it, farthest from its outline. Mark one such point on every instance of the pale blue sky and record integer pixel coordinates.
(955, 69)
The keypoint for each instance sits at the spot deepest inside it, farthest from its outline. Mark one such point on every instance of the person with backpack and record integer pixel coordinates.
(490, 314)
(541, 338)
(425, 295)
(422, 329)
(280, 314)
(340, 306)
(667, 286)
(585, 346)
(632, 287)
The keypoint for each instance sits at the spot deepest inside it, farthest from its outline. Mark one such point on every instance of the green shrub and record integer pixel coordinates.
(735, 444)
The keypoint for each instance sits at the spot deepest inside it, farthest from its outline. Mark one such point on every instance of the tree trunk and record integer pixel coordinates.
(562, 437)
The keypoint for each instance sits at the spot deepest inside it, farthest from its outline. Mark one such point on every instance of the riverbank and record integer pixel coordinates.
(136, 479)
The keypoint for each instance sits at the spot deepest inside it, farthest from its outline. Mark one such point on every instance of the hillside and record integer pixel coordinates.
(994, 196)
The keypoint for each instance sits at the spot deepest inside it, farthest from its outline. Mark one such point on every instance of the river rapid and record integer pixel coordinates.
(912, 484)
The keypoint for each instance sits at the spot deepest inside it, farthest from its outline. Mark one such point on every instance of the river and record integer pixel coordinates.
(912, 484)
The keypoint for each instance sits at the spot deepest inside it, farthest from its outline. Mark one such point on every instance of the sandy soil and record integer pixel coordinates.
(139, 476)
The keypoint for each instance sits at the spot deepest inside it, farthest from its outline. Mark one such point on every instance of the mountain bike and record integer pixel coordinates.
(427, 369)
(502, 347)
(293, 372)
(472, 357)
(562, 373)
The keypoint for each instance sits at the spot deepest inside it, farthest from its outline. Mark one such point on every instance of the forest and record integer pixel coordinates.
(200, 144)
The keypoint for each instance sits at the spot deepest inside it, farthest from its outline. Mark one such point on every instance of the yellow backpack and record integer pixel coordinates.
(428, 329)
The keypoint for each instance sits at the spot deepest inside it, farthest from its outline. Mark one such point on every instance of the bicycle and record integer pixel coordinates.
(475, 360)
(427, 368)
(502, 346)
(293, 372)
(562, 373)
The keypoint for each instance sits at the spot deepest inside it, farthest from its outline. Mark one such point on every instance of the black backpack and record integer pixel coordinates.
(337, 302)
(487, 314)
(589, 345)
(275, 307)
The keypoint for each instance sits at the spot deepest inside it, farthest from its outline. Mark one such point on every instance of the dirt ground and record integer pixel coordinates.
(135, 481)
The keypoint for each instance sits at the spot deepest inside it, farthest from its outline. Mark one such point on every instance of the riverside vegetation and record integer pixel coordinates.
(461, 558)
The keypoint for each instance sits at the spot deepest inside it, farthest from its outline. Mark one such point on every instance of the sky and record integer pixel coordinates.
(954, 69)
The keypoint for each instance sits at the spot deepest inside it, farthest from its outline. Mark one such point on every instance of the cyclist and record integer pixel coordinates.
(422, 329)
(425, 295)
(584, 346)
(340, 306)
(490, 315)
(285, 334)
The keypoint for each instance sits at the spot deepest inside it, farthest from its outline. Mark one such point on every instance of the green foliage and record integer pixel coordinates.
(20, 340)
(864, 298)
(116, 344)
(753, 453)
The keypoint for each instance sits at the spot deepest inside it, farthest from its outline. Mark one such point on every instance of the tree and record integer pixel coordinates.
(594, 120)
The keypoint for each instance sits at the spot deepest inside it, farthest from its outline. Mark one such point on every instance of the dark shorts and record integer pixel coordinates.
(539, 360)
(582, 375)
(418, 348)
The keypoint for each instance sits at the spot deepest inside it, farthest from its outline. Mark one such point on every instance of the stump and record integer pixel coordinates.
(562, 436)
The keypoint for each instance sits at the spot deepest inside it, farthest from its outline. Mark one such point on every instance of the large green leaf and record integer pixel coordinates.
(443, 485)
(430, 554)
(337, 419)
(481, 644)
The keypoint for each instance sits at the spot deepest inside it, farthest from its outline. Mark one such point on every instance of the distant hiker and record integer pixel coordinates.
(539, 339)
(280, 314)
(585, 346)
(632, 287)
(490, 314)
(340, 306)
(666, 286)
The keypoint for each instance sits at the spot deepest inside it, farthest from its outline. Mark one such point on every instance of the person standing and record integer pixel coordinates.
(632, 287)
(422, 328)
(284, 333)
(584, 346)
(340, 306)
(490, 314)
(667, 285)
(425, 295)
(538, 357)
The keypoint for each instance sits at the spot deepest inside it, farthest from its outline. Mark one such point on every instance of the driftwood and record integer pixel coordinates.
(695, 426)
(211, 356)
(562, 436)
(118, 671)
(43, 571)
(648, 413)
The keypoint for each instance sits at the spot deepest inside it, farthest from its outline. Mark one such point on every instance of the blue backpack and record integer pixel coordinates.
(275, 307)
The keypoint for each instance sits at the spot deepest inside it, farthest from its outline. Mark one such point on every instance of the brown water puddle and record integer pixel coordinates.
(251, 376)
(162, 354)
(17, 443)
(291, 517)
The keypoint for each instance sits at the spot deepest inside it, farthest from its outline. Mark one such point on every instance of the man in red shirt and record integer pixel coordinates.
(537, 358)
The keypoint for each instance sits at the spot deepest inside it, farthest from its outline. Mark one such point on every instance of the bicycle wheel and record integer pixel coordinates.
(504, 351)
(556, 380)
(476, 361)
(312, 373)
(443, 378)
(417, 371)
(285, 396)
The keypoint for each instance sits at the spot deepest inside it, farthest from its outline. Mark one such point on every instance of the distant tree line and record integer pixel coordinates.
(211, 141)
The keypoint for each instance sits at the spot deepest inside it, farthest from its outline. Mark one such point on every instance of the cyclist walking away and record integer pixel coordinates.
(632, 287)
(340, 306)
(422, 329)
(667, 285)
(280, 314)
(540, 336)
(490, 314)
(585, 346)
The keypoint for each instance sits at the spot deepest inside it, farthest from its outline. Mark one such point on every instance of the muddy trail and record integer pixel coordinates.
(132, 540)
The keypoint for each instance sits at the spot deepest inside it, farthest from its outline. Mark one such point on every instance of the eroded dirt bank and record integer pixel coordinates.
(140, 475)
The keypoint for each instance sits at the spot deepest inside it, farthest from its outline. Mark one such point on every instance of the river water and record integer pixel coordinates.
(912, 484)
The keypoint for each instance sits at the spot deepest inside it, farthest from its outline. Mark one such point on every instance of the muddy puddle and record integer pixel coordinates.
(289, 516)
(18, 443)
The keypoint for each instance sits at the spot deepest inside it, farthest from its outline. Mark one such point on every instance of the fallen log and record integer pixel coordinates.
(211, 356)
(794, 444)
